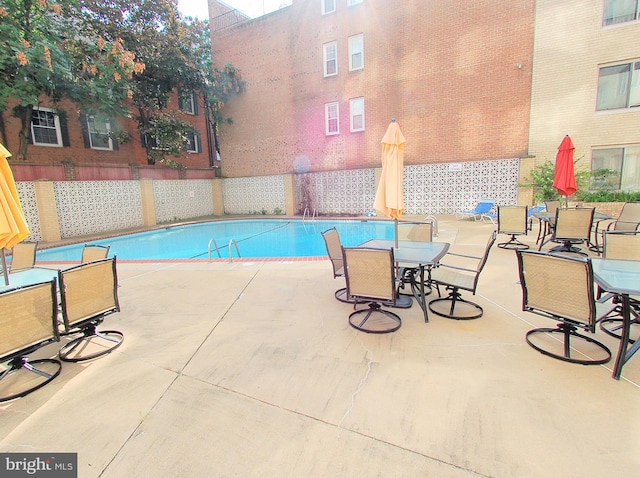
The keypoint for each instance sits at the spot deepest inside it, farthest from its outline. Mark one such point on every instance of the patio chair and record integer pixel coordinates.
(456, 278)
(512, 220)
(530, 214)
(94, 252)
(561, 288)
(627, 221)
(572, 226)
(483, 207)
(334, 250)
(626, 246)
(89, 293)
(546, 227)
(23, 256)
(420, 232)
(371, 280)
(27, 323)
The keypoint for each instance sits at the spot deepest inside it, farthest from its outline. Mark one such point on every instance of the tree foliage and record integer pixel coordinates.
(43, 53)
(111, 57)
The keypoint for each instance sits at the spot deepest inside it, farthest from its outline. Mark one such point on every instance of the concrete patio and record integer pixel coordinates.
(250, 369)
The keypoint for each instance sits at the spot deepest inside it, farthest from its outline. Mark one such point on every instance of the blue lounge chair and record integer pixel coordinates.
(483, 208)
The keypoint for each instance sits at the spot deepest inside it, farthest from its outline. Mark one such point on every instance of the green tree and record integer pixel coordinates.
(177, 54)
(44, 51)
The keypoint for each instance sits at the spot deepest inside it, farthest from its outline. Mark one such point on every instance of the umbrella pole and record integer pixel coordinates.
(395, 221)
(4, 268)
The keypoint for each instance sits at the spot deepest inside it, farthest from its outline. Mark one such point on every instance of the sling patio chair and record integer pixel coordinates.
(414, 232)
(28, 321)
(371, 280)
(334, 250)
(512, 220)
(627, 221)
(572, 226)
(89, 293)
(23, 256)
(94, 252)
(625, 246)
(483, 207)
(561, 288)
(456, 278)
(546, 226)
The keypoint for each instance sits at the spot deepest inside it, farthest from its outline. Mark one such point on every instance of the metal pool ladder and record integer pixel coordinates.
(231, 242)
(314, 217)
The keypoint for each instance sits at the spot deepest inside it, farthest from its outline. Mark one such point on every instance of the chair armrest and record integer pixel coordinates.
(463, 255)
(613, 223)
(458, 268)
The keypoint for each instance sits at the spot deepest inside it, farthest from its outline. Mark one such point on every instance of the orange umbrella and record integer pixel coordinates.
(564, 178)
(13, 226)
(389, 196)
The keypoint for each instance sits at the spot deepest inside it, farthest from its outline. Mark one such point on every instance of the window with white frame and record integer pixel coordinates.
(330, 58)
(623, 161)
(331, 123)
(619, 86)
(356, 114)
(356, 52)
(620, 11)
(99, 133)
(353, 2)
(193, 144)
(45, 127)
(187, 102)
(328, 6)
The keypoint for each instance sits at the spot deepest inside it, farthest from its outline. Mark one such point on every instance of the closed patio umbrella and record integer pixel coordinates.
(564, 178)
(389, 196)
(13, 226)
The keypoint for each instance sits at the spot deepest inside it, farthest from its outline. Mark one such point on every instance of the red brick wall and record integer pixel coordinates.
(447, 71)
(131, 152)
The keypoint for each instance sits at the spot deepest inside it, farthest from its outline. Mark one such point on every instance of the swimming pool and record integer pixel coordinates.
(255, 238)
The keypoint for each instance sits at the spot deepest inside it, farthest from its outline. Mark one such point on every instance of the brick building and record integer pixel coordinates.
(325, 77)
(586, 83)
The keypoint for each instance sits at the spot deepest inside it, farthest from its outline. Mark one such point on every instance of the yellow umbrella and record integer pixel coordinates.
(13, 226)
(389, 196)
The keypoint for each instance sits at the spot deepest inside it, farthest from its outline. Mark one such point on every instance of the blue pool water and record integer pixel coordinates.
(254, 238)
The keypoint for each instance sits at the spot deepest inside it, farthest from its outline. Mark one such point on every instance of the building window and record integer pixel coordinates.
(625, 161)
(619, 86)
(330, 57)
(356, 52)
(356, 114)
(331, 124)
(353, 2)
(328, 6)
(187, 102)
(620, 11)
(45, 127)
(193, 143)
(99, 133)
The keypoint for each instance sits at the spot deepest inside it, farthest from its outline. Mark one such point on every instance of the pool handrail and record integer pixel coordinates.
(231, 242)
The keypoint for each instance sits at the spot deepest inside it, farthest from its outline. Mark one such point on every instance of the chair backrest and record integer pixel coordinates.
(334, 250)
(573, 223)
(629, 218)
(552, 206)
(484, 205)
(559, 287)
(512, 219)
(28, 318)
(88, 291)
(23, 256)
(422, 232)
(485, 256)
(94, 252)
(370, 273)
(621, 245)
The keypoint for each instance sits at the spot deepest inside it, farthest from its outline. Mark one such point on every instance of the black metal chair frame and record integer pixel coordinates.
(85, 328)
(374, 304)
(513, 242)
(18, 359)
(455, 297)
(566, 328)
